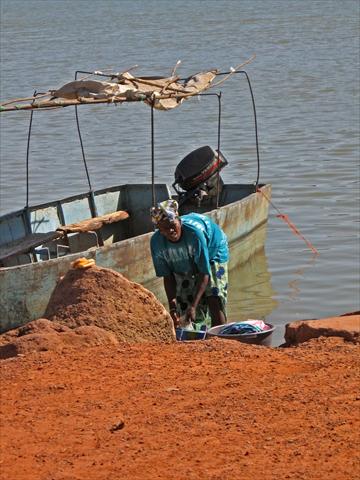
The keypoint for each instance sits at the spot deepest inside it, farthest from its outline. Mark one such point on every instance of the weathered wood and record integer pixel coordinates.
(234, 70)
(162, 93)
(56, 103)
(146, 90)
(27, 243)
(160, 83)
(95, 223)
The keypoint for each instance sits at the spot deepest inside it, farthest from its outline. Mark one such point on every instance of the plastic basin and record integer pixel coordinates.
(254, 338)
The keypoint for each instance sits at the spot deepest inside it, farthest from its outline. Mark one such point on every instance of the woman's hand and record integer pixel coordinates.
(175, 317)
(190, 314)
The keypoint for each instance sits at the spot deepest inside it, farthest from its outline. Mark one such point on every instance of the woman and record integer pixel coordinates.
(191, 254)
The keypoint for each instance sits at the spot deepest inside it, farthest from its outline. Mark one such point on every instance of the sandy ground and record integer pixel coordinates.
(214, 409)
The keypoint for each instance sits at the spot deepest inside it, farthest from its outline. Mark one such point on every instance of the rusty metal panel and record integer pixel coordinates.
(245, 247)
(44, 220)
(5, 232)
(76, 210)
(12, 228)
(18, 260)
(131, 257)
(26, 289)
(138, 203)
(232, 193)
(240, 218)
(82, 241)
(108, 202)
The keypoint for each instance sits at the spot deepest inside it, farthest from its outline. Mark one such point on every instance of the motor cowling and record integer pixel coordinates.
(197, 174)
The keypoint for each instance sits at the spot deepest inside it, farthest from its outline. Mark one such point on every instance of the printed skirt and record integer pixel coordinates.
(217, 287)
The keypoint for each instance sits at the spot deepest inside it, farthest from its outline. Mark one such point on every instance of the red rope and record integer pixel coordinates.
(286, 219)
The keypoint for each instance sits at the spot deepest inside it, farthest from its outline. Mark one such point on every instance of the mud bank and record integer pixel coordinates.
(100, 390)
(215, 409)
(346, 326)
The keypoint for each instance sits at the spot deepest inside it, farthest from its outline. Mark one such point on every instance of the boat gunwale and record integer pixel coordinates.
(113, 188)
(92, 252)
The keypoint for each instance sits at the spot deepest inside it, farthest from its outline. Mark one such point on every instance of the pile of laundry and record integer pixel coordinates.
(246, 327)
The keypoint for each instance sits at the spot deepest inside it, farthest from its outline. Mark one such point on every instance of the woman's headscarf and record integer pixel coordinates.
(165, 210)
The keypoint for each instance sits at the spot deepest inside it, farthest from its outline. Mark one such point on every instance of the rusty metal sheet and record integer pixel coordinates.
(76, 210)
(108, 202)
(44, 220)
(26, 289)
(12, 228)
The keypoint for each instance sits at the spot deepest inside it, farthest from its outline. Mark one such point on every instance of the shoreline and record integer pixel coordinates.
(187, 410)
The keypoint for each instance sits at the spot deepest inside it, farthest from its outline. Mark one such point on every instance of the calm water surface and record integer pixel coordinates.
(306, 85)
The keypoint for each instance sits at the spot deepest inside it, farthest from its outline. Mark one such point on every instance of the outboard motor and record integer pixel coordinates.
(197, 176)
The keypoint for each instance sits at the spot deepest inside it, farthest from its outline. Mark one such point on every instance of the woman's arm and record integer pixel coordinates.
(170, 290)
(202, 282)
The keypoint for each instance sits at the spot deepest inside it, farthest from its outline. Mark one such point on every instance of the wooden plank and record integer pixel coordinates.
(27, 243)
(93, 224)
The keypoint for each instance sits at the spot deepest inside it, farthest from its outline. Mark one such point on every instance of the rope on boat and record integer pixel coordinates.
(286, 219)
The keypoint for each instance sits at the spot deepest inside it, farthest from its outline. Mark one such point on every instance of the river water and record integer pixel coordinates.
(306, 84)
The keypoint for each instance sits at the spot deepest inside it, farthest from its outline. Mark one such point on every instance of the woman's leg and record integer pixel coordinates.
(216, 293)
(218, 317)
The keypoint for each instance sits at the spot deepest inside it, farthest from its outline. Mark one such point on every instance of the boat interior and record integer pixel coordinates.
(39, 233)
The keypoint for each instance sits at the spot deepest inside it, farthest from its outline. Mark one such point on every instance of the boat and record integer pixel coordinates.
(112, 225)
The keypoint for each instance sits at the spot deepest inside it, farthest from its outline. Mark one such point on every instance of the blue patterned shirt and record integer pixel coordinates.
(202, 241)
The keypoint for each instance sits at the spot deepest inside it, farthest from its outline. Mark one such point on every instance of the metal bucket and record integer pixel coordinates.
(183, 334)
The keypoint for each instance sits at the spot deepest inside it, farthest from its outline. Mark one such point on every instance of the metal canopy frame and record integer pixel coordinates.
(91, 192)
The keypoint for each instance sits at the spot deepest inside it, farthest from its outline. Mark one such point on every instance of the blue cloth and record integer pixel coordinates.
(239, 329)
(201, 242)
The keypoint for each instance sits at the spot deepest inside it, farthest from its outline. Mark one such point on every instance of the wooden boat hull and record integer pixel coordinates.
(26, 288)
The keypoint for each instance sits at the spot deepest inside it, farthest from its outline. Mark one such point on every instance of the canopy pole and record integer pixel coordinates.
(82, 148)
(28, 153)
(218, 150)
(255, 120)
(91, 192)
(152, 156)
(256, 128)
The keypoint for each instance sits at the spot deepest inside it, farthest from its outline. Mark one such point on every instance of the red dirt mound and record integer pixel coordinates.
(104, 298)
(346, 326)
(41, 325)
(42, 335)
